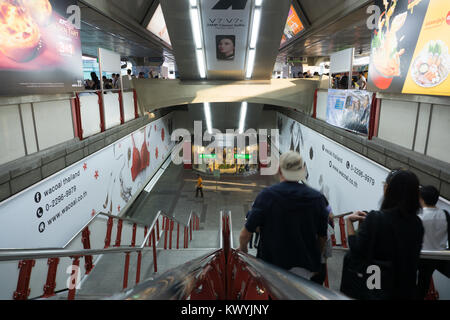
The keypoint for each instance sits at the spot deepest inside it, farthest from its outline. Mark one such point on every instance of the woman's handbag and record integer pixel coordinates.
(357, 277)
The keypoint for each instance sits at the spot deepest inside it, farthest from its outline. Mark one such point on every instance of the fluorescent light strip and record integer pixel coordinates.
(196, 30)
(250, 63)
(242, 117)
(258, 3)
(195, 21)
(201, 63)
(255, 28)
(207, 111)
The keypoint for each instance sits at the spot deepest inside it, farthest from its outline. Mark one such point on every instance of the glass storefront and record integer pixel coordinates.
(229, 160)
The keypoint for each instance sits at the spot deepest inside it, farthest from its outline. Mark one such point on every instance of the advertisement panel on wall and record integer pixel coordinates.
(225, 27)
(293, 26)
(40, 47)
(410, 48)
(349, 109)
(349, 180)
(49, 213)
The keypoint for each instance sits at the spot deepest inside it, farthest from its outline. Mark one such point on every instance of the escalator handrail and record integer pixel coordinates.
(174, 284)
(281, 283)
(424, 254)
(284, 285)
(180, 282)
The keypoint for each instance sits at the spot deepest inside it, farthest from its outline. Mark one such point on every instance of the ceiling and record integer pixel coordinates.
(273, 16)
(227, 115)
(114, 26)
(330, 26)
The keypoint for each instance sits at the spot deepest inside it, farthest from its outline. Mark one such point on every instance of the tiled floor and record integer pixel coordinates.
(175, 194)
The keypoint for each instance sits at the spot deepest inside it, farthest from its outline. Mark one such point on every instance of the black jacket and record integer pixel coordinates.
(397, 239)
(291, 217)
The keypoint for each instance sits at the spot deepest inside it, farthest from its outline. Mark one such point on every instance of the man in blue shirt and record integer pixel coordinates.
(292, 220)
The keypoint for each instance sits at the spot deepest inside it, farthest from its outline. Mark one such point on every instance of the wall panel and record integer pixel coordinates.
(11, 138)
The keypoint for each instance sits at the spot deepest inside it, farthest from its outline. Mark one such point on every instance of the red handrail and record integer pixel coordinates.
(373, 114)
(77, 120)
(102, 111)
(314, 115)
(122, 114)
(26, 265)
(136, 113)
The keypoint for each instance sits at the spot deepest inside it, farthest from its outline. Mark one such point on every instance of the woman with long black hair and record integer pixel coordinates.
(394, 235)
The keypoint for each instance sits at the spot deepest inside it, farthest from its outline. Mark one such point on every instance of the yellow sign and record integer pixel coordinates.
(429, 71)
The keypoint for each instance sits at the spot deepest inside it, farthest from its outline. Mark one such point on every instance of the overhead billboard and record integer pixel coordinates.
(293, 26)
(52, 211)
(410, 48)
(157, 26)
(40, 47)
(225, 27)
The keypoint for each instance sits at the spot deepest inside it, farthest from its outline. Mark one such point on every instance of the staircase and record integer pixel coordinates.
(107, 277)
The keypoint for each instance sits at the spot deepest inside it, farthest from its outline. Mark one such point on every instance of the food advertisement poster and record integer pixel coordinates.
(40, 47)
(53, 210)
(410, 48)
(349, 109)
(293, 26)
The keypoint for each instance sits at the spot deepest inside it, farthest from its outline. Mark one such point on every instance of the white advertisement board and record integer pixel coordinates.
(49, 213)
(225, 27)
(349, 180)
(109, 60)
(341, 61)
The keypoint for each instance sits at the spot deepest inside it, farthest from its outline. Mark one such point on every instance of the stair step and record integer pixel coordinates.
(200, 239)
(168, 259)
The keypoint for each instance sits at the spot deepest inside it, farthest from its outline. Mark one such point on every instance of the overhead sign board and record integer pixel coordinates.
(243, 156)
(207, 156)
(293, 26)
(225, 26)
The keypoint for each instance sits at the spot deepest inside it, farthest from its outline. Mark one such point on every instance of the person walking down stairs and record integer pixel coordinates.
(199, 186)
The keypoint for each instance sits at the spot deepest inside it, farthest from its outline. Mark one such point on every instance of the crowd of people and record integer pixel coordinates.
(307, 74)
(340, 81)
(294, 223)
(108, 83)
(114, 81)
